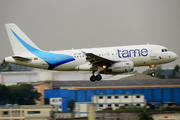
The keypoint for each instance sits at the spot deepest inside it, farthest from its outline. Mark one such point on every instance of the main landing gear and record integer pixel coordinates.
(94, 78)
(151, 71)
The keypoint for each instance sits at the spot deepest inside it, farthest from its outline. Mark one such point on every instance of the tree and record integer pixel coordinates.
(23, 94)
(71, 105)
(5, 66)
(145, 116)
(176, 72)
(4, 93)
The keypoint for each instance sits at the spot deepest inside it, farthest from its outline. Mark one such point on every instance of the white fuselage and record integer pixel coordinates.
(140, 55)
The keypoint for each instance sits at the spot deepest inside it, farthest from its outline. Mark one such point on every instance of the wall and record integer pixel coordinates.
(161, 95)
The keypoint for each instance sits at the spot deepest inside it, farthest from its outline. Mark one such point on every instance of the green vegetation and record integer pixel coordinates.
(4, 66)
(7, 67)
(23, 94)
(71, 105)
(145, 116)
(175, 72)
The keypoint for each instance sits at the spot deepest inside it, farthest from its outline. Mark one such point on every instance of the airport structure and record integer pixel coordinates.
(25, 112)
(156, 92)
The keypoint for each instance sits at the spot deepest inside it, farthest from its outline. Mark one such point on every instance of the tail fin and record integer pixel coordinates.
(19, 41)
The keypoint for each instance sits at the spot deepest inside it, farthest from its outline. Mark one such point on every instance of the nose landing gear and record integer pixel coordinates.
(151, 71)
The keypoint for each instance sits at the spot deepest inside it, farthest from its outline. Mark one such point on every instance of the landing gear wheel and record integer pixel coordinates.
(98, 77)
(93, 78)
(153, 74)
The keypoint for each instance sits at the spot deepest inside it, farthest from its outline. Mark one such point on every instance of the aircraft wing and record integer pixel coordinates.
(96, 60)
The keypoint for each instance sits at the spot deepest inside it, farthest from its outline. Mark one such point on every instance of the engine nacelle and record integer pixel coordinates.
(120, 67)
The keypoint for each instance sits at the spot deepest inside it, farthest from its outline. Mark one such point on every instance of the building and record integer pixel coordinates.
(157, 92)
(57, 102)
(40, 87)
(116, 100)
(27, 112)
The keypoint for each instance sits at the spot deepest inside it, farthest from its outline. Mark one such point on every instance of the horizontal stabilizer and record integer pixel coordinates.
(21, 58)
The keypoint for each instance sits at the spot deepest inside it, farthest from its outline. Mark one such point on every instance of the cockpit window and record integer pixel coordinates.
(165, 50)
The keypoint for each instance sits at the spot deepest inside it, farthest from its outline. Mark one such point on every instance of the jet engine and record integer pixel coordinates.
(119, 67)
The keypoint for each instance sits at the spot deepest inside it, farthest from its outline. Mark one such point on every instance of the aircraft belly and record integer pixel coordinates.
(67, 66)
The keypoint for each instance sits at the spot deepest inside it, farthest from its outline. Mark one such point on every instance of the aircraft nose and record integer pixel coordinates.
(174, 56)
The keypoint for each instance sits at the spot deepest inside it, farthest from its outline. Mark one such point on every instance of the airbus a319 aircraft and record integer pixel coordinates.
(105, 60)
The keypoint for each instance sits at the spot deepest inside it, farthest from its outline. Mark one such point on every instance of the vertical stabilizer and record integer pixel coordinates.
(19, 41)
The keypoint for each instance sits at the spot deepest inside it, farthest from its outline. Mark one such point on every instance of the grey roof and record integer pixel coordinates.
(136, 76)
(117, 83)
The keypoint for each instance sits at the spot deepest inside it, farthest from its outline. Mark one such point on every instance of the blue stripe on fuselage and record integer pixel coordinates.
(46, 56)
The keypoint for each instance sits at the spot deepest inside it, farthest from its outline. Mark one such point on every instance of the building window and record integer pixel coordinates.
(125, 96)
(116, 97)
(5, 112)
(109, 97)
(101, 105)
(126, 105)
(60, 100)
(138, 96)
(138, 105)
(34, 112)
(53, 100)
(100, 97)
(116, 105)
(59, 106)
(109, 105)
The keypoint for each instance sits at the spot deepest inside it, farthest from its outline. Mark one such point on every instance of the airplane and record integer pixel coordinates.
(104, 60)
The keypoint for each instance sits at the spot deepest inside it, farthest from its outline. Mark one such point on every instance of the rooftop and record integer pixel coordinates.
(133, 81)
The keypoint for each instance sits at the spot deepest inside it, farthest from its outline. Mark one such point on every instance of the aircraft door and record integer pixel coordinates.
(45, 58)
(152, 52)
